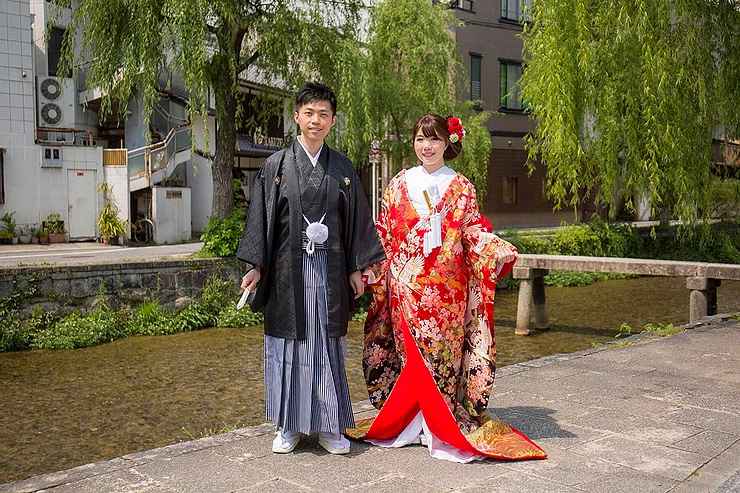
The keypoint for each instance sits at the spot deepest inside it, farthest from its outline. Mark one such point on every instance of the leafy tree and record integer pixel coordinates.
(407, 67)
(627, 95)
(127, 46)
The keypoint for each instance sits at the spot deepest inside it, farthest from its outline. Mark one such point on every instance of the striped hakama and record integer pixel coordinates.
(305, 379)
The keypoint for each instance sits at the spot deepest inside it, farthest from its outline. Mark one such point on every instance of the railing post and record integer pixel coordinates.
(703, 297)
(524, 301)
(538, 298)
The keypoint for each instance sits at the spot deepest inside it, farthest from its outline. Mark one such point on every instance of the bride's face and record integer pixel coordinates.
(429, 150)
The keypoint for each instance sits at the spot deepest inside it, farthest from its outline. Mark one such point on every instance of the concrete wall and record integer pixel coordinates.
(53, 183)
(171, 214)
(17, 112)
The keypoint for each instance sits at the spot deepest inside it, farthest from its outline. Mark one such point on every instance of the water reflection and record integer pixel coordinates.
(65, 408)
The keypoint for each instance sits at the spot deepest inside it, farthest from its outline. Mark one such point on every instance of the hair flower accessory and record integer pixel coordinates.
(457, 132)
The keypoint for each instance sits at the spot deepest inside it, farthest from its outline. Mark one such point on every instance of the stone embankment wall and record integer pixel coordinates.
(123, 283)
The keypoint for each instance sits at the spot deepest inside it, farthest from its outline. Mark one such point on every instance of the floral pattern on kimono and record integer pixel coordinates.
(444, 301)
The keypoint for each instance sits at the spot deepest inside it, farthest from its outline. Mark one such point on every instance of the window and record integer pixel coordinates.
(462, 5)
(515, 10)
(475, 69)
(2, 177)
(509, 96)
(510, 184)
(54, 50)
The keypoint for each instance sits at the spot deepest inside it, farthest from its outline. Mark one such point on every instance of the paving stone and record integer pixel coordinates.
(725, 422)
(547, 432)
(274, 485)
(313, 467)
(565, 467)
(651, 459)
(707, 443)
(519, 482)
(644, 429)
(203, 471)
(721, 475)
(628, 480)
(63, 477)
(415, 462)
(395, 483)
(117, 482)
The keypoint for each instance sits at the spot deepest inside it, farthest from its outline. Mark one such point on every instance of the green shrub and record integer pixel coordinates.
(231, 317)
(151, 319)
(221, 236)
(218, 293)
(193, 317)
(78, 330)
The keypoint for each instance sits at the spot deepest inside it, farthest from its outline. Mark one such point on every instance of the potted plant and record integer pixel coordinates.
(109, 224)
(7, 234)
(43, 236)
(54, 225)
(25, 233)
(35, 235)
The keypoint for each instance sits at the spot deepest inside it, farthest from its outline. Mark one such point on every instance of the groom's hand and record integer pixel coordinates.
(249, 281)
(355, 280)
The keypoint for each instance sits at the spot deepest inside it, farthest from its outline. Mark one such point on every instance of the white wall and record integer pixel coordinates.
(171, 215)
(17, 122)
(117, 178)
(52, 182)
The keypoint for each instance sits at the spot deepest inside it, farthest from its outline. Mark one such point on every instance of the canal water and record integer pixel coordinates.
(60, 409)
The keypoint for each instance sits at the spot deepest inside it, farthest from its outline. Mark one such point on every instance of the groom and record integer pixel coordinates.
(308, 237)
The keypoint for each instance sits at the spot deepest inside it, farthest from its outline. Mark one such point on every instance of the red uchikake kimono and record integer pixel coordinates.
(429, 334)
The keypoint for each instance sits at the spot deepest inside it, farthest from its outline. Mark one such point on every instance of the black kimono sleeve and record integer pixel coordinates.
(253, 245)
(363, 245)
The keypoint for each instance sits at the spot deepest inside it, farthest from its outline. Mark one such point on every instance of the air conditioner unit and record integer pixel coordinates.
(56, 98)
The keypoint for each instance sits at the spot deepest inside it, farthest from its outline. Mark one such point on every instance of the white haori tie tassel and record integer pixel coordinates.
(317, 233)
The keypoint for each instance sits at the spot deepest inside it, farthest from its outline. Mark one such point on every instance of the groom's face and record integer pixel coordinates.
(315, 119)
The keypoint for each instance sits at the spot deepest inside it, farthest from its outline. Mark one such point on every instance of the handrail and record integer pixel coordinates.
(639, 266)
(154, 157)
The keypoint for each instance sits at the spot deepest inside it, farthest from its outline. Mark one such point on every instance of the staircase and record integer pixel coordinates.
(150, 165)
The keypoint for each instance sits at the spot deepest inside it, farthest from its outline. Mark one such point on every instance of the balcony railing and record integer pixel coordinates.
(154, 157)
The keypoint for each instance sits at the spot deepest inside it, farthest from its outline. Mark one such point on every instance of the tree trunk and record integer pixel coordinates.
(223, 161)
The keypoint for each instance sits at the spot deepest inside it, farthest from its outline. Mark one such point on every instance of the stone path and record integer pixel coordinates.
(651, 415)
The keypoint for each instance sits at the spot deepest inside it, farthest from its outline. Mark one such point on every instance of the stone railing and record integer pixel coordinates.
(702, 279)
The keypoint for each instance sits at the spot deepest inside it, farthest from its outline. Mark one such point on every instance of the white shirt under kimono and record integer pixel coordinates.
(419, 179)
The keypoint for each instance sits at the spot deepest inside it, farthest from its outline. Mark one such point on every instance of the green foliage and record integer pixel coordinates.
(661, 329)
(231, 317)
(408, 67)
(627, 95)
(78, 330)
(54, 224)
(109, 225)
(128, 48)
(216, 306)
(221, 236)
(8, 223)
(151, 319)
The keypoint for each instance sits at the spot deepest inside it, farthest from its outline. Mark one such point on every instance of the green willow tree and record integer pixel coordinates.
(627, 95)
(126, 46)
(407, 67)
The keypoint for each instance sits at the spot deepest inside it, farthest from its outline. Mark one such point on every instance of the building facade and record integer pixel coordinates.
(490, 47)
